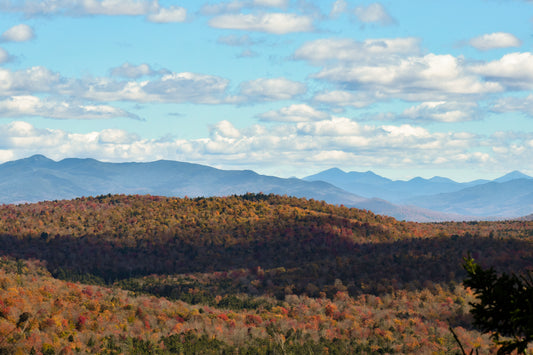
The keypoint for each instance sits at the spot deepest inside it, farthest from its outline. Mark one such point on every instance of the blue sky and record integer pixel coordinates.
(289, 88)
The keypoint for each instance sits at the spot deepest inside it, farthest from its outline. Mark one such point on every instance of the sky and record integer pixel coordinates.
(403, 88)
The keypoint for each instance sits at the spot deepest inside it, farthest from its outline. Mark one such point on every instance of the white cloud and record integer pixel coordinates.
(118, 7)
(429, 78)
(276, 23)
(22, 106)
(324, 143)
(31, 80)
(495, 40)
(442, 111)
(373, 13)
(224, 129)
(513, 70)
(294, 113)
(514, 104)
(349, 51)
(167, 15)
(170, 87)
(173, 87)
(271, 89)
(117, 136)
(18, 33)
(75, 8)
(346, 98)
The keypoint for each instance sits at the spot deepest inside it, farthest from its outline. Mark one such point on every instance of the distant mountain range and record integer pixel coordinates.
(509, 196)
(38, 178)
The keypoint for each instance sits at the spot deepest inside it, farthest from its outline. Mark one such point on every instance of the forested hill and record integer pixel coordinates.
(114, 237)
(258, 273)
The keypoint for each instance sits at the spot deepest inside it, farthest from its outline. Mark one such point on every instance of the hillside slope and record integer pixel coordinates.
(257, 274)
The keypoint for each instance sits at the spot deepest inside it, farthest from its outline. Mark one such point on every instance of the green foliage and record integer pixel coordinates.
(505, 307)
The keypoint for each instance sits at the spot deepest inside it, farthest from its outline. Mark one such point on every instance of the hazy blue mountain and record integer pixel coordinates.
(507, 196)
(38, 178)
(341, 177)
(508, 199)
(514, 175)
(371, 185)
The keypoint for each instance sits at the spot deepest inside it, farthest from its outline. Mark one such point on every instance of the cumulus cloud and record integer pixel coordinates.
(271, 89)
(349, 51)
(224, 129)
(163, 86)
(428, 78)
(18, 33)
(294, 113)
(442, 111)
(347, 98)
(374, 13)
(513, 70)
(276, 23)
(380, 69)
(118, 7)
(170, 87)
(23, 106)
(35, 79)
(166, 15)
(149, 8)
(494, 41)
(514, 104)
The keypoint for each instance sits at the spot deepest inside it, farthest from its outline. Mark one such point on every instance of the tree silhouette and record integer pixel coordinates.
(505, 307)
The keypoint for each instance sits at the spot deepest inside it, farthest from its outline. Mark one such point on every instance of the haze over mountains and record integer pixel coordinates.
(38, 178)
(509, 196)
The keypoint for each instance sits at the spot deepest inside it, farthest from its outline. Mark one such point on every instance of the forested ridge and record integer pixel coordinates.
(258, 273)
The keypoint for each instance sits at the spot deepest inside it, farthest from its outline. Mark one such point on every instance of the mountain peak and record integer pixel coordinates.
(513, 175)
(441, 179)
(38, 158)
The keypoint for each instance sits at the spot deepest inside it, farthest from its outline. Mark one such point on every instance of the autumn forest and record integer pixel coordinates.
(251, 274)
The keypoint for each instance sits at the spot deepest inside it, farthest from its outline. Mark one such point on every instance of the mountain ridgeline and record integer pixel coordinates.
(438, 199)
